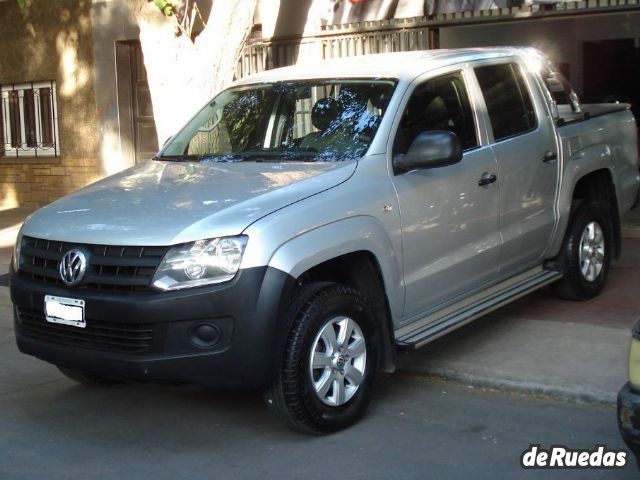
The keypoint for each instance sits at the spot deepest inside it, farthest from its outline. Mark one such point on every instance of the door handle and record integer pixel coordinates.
(549, 156)
(487, 179)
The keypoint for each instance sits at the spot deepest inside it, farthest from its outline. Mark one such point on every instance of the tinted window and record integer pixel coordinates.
(508, 100)
(561, 97)
(567, 101)
(438, 104)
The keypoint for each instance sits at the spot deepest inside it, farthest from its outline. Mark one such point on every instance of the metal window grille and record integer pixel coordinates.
(29, 120)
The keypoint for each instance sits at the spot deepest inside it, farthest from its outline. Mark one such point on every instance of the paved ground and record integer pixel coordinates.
(415, 429)
(631, 224)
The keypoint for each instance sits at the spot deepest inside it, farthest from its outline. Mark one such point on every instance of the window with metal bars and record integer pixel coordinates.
(29, 120)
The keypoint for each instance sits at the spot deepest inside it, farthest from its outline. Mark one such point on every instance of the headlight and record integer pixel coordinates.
(200, 263)
(16, 251)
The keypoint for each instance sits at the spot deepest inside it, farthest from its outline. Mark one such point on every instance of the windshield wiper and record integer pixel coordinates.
(260, 156)
(177, 158)
(232, 157)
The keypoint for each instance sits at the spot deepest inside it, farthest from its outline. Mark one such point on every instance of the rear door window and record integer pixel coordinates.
(508, 100)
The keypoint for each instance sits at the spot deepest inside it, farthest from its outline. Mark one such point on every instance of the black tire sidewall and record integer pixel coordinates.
(332, 302)
(588, 212)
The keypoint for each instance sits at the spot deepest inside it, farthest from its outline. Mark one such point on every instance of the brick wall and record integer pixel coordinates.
(51, 40)
(31, 183)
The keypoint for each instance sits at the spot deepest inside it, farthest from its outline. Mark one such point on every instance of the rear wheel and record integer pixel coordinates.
(86, 378)
(586, 254)
(324, 380)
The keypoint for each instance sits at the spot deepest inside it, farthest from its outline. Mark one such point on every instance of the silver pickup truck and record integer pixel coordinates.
(309, 221)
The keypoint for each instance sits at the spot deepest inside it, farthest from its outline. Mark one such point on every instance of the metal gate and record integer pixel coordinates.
(383, 36)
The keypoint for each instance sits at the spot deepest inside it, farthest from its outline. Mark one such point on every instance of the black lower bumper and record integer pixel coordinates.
(159, 336)
(629, 418)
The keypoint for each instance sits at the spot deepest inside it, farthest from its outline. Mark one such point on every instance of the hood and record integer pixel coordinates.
(166, 203)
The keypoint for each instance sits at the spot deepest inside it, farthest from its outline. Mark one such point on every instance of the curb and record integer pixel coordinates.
(561, 393)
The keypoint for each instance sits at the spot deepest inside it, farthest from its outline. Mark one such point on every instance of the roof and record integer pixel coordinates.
(403, 65)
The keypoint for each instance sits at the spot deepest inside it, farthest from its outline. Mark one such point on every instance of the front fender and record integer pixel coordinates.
(360, 233)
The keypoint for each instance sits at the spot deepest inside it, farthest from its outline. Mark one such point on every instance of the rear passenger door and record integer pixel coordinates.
(449, 215)
(525, 146)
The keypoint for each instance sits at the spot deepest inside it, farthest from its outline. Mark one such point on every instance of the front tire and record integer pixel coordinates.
(324, 380)
(586, 254)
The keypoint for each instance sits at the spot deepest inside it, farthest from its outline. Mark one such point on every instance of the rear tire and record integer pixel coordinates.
(324, 380)
(586, 254)
(86, 378)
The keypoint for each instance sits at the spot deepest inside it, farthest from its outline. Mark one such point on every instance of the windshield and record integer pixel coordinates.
(285, 121)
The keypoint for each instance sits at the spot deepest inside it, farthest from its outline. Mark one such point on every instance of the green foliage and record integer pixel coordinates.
(21, 4)
(165, 7)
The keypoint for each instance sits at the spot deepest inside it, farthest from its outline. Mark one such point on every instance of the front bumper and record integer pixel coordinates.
(151, 336)
(629, 418)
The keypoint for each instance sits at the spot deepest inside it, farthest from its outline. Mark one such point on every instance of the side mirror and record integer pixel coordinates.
(437, 148)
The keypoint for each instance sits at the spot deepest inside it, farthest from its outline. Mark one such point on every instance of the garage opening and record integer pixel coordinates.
(612, 71)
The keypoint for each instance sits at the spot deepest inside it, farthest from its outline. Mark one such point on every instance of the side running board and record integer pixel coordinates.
(437, 324)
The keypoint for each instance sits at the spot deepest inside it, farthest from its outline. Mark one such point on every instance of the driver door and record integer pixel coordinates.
(450, 223)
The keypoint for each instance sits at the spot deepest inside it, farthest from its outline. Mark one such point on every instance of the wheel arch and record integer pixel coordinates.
(361, 270)
(356, 252)
(598, 184)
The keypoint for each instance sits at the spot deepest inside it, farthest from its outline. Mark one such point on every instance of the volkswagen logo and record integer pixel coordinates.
(73, 267)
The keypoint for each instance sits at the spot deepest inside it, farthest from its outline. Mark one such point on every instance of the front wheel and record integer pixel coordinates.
(586, 254)
(324, 380)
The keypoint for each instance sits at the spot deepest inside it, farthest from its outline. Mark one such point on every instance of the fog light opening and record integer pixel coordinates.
(205, 335)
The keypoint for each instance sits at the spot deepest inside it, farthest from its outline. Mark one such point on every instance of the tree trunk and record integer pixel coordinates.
(184, 74)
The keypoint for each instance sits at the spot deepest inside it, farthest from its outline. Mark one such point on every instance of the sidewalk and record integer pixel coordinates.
(631, 224)
(539, 345)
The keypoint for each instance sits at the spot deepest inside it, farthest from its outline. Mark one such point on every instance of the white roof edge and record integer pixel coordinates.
(382, 65)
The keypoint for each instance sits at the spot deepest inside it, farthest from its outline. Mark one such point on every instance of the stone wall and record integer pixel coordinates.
(51, 40)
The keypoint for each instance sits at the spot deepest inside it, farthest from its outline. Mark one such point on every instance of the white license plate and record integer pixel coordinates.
(67, 311)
